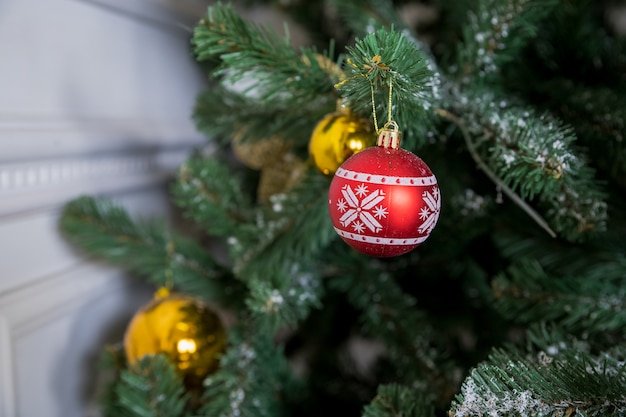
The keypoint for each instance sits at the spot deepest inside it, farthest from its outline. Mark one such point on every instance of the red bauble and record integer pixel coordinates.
(384, 201)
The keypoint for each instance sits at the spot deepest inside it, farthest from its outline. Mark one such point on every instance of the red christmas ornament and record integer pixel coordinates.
(384, 201)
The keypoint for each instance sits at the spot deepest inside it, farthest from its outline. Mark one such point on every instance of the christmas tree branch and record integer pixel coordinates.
(223, 113)
(254, 378)
(495, 33)
(536, 154)
(152, 388)
(563, 379)
(265, 243)
(291, 215)
(483, 166)
(103, 229)
(595, 112)
(287, 296)
(251, 52)
(366, 16)
(385, 58)
(395, 400)
(391, 316)
(267, 87)
(213, 197)
(280, 267)
(604, 130)
(592, 101)
(592, 300)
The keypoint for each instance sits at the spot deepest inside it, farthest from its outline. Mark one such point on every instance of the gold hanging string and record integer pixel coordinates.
(374, 108)
(168, 286)
(389, 101)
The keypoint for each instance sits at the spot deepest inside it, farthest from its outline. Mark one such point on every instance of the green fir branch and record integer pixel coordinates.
(300, 212)
(595, 112)
(602, 130)
(495, 33)
(535, 156)
(112, 362)
(253, 379)
(398, 401)
(392, 316)
(562, 258)
(287, 297)
(265, 243)
(575, 69)
(102, 228)
(366, 16)
(559, 381)
(267, 87)
(152, 388)
(211, 195)
(280, 266)
(492, 176)
(363, 17)
(222, 113)
(532, 153)
(254, 53)
(387, 59)
(578, 42)
(592, 300)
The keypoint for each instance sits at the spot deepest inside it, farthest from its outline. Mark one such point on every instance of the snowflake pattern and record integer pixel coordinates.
(361, 213)
(361, 209)
(430, 213)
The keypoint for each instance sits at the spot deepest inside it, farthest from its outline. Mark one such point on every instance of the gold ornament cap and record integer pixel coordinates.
(389, 136)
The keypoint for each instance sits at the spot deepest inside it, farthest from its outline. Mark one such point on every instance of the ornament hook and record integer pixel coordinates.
(389, 136)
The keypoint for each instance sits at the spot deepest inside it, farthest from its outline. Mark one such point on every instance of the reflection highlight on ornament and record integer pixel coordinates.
(403, 199)
(186, 346)
(355, 145)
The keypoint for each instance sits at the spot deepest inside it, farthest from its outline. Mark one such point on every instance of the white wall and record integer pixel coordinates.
(96, 98)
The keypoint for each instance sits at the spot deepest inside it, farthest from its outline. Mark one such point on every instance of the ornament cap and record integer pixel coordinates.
(389, 136)
(162, 292)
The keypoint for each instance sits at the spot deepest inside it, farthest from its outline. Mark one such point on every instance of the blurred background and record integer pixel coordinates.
(95, 97)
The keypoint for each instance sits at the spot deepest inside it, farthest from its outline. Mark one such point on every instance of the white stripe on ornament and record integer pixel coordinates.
(385, 179)
(381, 240)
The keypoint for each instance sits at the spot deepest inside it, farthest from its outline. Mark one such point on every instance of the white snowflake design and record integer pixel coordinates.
(430, 213)
(362, 212)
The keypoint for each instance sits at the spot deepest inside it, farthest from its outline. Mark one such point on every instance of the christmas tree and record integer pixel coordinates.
(511, 302)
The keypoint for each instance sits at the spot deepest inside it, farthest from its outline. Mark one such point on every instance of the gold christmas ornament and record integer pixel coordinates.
(183, 328)
(280, 168)
(280, 177)
(258, 154)
(338, 136)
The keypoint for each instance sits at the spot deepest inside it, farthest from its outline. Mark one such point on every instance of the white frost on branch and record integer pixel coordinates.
(471, 203)
(482, 402)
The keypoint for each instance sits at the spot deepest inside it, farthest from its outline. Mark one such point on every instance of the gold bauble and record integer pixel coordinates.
(257, 154)
(280, 177)
(338, 136)
(183, 328)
